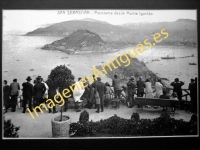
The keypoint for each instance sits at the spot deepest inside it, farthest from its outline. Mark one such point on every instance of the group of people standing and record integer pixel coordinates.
(94, 94)
(34, 95)
(141, 88)
(29, 92)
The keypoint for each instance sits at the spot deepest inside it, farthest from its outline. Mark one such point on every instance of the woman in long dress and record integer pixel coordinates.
(159, 88)
(148, 89)
(77, 94)
(108, 95)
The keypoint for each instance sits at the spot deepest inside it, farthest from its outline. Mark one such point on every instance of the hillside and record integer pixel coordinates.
(136, 69)
(182, 30)
(79, 41)
(68, 27)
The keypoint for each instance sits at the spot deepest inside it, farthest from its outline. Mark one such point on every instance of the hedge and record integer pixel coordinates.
(116, 126)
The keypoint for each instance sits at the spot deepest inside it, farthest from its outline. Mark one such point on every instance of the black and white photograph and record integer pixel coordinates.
(99, 73)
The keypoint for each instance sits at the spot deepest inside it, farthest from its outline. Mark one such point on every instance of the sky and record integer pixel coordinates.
(29, 20)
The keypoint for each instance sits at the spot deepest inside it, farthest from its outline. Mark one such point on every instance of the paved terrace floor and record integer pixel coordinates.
(40, 127)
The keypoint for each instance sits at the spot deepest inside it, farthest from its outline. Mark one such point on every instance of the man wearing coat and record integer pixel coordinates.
(117, 87)
(14, 87)
(27, 94)
(39, 90)
(101, 89)
(140, 88)
(177, 88)
(92, 93)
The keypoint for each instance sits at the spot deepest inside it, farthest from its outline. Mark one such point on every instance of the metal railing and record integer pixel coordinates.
(111, 96)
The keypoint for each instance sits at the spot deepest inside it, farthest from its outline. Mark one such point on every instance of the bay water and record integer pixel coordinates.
(22, 56)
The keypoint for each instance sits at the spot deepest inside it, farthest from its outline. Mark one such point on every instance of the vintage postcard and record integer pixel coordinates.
(99, 73)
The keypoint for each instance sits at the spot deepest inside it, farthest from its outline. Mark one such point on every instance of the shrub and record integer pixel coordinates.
(135, 116)
(10, 130)
(116, 126)
(84, 117)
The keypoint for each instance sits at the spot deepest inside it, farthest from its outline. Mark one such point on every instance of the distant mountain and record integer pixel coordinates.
(45, 25)
(68, 27)
(14, 32)
(127, 34)
(93, 20)
(79, 41)
(179, 31)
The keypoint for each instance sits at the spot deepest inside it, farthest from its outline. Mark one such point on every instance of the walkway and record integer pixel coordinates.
(40, 127)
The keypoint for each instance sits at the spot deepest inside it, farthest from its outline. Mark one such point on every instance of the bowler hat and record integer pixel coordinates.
(28, 78)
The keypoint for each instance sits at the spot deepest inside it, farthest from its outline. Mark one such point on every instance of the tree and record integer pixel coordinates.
(62, 78)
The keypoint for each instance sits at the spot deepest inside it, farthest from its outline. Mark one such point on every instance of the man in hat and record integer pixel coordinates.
(27, 94)
(100, 88)
(177, 88)
(14, 87)
(131, 85)
(39, 90)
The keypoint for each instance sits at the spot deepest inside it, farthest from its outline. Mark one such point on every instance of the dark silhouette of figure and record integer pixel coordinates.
(193, 95)
(6, 95)
(39, 90)
(101, 89)
(177, 88)
(131, 85)
(14, 87)
(92, 92)
(27, 94)
(140, 87)
(116, 85)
